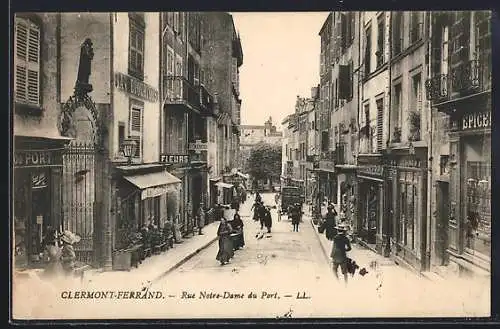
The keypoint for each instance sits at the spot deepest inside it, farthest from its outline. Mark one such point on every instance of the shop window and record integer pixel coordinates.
(151, 211)
(409, 211)
(478, 207)
(27, 62)
(136, 47)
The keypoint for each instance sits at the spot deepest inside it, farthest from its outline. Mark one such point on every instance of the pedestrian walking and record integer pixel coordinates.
(200, 218)
(255, 208)
(329, 223)
(226, 251)
(268, 220)
(340, 247)
(262, 215)
(237, 234)
(295, 217)
(258, 198)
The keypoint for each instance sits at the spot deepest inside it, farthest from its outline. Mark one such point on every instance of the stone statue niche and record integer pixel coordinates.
(82, 85)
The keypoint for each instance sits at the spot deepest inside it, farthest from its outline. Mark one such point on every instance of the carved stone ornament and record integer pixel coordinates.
(80, 97)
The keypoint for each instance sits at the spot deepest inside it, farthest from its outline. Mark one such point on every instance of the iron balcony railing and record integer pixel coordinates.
(466, 76)
(469, 77)
(437, 87)
(178, 90)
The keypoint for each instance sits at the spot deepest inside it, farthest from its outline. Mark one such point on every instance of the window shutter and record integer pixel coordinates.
(380, 124)
(27, 62)
(135, 122)
(344, 82)
(343, 30)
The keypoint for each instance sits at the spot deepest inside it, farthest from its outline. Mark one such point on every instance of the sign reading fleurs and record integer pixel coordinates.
(174, 158)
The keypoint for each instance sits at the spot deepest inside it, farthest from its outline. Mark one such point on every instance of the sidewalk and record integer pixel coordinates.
(364, 257)
(155, 267)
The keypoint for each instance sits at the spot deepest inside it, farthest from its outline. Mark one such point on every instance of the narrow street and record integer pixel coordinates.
(289, 276)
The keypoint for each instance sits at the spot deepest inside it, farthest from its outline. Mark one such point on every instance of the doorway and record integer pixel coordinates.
(443, 206)
(39, 222)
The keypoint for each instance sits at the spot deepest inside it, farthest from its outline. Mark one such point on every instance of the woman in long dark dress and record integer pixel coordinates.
(268, 221)
(226, 251)
(237, 225)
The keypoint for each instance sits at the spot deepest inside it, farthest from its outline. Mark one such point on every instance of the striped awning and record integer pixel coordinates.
(223, 116)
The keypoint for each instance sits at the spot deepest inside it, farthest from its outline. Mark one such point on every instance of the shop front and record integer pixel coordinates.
(346, 193)
(147, 198)
(327, 182)
(470, 191)
(407, 206)
(370, 221)
(37, 184)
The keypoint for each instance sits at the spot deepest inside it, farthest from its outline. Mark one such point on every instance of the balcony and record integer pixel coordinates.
(206, 102)
(466, 78)
(178, 91)
(471, 77)
(437, 88)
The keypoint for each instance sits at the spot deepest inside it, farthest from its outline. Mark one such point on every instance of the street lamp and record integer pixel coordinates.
(129, 147)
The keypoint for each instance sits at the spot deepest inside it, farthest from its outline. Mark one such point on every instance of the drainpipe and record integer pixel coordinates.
(387, 203)
(429, 152)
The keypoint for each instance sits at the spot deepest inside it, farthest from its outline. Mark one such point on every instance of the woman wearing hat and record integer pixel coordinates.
(341, 246)
(68, 255)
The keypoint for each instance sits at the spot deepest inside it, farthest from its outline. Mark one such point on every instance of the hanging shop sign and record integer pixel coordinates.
(36, 158)
(152, 192)
(327, 165)
(198, 146)
(136, 87)
(373, 170)
(174, 158)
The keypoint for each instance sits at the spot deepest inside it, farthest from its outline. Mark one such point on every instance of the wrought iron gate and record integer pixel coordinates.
(81, 172)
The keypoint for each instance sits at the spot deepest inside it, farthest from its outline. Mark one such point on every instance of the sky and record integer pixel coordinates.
(281, 53)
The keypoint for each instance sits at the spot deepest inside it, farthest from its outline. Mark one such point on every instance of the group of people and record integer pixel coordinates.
(262, 213)
(59, 253)
(231, 238)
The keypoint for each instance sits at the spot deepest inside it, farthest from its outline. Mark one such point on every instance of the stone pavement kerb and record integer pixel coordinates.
(157, 266)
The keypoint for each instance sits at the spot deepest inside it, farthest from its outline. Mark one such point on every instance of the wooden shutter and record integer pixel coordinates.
(343, 30)
(27, 62)
(136, 128)
(344, 87)
(380, 123)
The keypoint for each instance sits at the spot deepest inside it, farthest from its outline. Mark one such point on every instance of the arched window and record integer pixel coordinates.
(27, 62)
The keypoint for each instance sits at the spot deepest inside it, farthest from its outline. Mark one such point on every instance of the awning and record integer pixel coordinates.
(224, 185)
(242, 175)
(154, 184)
